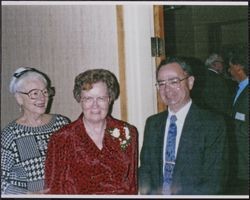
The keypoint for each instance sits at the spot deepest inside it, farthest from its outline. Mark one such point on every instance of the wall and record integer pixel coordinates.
(62, 41)
(140, 66)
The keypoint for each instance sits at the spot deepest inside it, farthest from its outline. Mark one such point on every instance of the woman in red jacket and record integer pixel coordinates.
(96, 154)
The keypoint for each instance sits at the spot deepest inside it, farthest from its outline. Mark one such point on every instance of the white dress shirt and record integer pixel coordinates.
(181, 116)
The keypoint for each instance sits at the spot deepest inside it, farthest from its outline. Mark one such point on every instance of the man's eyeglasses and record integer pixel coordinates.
(36, 93)
(101, 101)
(173, 83)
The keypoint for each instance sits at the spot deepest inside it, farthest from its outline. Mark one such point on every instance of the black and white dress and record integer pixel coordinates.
(23, 151)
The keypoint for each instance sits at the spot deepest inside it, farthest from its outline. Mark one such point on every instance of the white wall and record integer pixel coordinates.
(140, 66)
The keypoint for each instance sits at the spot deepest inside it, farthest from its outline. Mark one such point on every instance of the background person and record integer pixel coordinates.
(239, 178)
(194, 162)
(96, 154)
(217, 93)
(24, 140)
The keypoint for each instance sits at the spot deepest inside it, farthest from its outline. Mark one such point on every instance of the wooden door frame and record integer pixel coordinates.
(122, 64)
(158, 11)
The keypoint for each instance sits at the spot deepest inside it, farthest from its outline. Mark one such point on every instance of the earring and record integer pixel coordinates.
(20, 108)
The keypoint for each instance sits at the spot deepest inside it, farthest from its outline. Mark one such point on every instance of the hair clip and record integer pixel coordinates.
(18, 74)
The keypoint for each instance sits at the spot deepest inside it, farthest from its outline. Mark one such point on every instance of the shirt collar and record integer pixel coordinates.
(243, 83)
(182, 113)
(213, 70)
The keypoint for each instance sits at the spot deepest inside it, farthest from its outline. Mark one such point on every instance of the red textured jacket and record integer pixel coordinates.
(75, 165)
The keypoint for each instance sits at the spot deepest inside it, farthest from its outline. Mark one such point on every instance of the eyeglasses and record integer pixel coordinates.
(173, 83)
(101, 101)
(36, 93)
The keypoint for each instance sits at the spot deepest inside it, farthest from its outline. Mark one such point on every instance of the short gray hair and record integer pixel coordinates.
(213, 58)
(25, 73)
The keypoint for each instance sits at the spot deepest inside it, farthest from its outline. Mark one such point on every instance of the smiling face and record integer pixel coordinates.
(32, 106)
(175, 97)
(95, 102)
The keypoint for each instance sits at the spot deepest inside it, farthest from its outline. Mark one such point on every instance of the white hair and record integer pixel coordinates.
(212, 58)
(21, 75)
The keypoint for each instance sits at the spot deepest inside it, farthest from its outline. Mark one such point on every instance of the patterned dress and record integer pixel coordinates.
(75, 165)
(23, 151)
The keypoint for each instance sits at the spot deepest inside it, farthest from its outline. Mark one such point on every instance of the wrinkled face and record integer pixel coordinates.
(174, 95)
(95, 102)
(31, 105)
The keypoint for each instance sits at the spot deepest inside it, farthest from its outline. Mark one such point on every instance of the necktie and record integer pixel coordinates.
(170, 155)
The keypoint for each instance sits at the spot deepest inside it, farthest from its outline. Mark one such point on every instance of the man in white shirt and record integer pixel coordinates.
(200, 146)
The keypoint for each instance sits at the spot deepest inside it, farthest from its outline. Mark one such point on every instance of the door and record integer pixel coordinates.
(159, 32)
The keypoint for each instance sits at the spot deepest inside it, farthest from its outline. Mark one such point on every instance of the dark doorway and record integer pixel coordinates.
(197, 31)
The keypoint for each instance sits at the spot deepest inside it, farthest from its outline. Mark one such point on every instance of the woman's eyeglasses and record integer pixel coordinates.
(101, 101)
(36, 93)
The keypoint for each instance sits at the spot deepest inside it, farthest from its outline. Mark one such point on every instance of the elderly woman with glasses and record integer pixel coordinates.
(96, 154)
(24, 140)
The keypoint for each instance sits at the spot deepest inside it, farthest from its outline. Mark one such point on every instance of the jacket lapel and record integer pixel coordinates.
(192, 123)
(160, 130)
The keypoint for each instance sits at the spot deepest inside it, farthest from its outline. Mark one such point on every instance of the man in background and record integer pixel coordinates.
(216, 94)
(238, 69)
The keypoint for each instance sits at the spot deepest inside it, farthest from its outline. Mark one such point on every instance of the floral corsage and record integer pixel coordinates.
(122, 134)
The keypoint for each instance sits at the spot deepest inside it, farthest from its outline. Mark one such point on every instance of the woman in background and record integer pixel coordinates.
(24, 140)
(96, 154)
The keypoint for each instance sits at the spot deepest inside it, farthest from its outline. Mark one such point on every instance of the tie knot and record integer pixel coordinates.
(173, 119)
